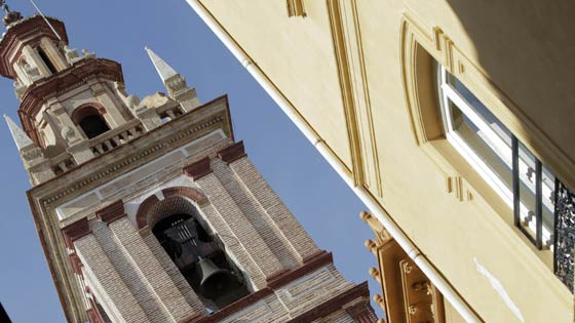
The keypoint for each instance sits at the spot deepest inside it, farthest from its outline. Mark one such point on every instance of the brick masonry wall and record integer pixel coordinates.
(129, 272)
(259, 233)
(125, 305)
(166, 295)
(296, 298)
(337, 317)
(173, 273)
(243, 229)
(288, 228)
(236, 250)
(255, 214)
(312, 289)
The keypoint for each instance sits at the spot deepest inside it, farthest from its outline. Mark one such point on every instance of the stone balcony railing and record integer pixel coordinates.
(113, 138)
(116, 137)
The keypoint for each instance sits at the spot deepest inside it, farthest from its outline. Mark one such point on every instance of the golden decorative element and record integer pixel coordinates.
(412, 298)
(421, 303)
(371, 246)
(381, 235)
(295, 8)
(407, 267)
(365, 216)
(422, 286)
(373, 272)
(455, 184)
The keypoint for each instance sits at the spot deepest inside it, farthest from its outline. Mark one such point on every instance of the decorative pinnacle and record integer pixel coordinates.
(164, 70)
(11, 16)
(20, 138)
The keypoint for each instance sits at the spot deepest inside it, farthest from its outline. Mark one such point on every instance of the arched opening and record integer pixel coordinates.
(91, 121)
(47, 60)
(199, 256)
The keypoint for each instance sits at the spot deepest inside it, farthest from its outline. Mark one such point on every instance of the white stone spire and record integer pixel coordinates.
(164, 70)
(20, 138)
(174, 83)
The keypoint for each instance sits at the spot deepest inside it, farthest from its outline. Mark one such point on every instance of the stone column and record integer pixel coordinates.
(123, 304)
(247, 235)
(53, 53)
(167, 294)
(292, 233)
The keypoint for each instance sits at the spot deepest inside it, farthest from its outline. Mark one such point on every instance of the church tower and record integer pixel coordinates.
(149, 210)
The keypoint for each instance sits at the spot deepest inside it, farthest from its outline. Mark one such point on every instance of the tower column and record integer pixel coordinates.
(108, 282)
(247, 235)
(70, 131)
(236, 249)
(130, 273)
(299, 241)
(167, 295)
(34, 58)
(53, 53)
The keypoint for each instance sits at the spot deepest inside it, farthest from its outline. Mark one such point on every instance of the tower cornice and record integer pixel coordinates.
(26, 30)
(74, 76)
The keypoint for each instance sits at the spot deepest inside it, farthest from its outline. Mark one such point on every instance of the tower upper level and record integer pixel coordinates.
(74, 106)
(30, 49)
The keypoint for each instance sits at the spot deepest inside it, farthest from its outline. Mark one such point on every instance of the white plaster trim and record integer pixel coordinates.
(500, 289)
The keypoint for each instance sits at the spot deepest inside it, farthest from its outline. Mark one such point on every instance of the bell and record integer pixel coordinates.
(215, 281)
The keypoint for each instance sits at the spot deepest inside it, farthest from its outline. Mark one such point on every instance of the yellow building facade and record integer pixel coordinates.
(451, 120)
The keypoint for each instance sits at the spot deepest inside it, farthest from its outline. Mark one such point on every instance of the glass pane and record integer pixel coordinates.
(527, 188)
(486, 143)
(481, 109)
(548, 195)
(481, 145)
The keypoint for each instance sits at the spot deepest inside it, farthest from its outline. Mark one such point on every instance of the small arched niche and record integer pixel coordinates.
(91, 121)
(199, 255)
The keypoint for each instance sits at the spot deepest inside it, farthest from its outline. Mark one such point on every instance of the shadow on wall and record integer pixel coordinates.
(527, 48)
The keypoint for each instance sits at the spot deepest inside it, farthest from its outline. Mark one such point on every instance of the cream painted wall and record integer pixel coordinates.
(297, 56)
(473, 242)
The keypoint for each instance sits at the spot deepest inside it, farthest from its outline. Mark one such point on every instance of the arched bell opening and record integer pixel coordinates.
(91, 121)
(201, 259)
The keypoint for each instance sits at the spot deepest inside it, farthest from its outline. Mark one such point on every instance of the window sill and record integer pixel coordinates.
(451, 163)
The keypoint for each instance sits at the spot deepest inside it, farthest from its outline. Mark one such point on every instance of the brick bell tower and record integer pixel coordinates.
(149, 210)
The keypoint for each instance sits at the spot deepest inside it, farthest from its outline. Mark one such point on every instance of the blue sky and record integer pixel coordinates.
(119, 30)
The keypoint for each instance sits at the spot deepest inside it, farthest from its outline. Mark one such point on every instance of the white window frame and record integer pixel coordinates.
(495, 141)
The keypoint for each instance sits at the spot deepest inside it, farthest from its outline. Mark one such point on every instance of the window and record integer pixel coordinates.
(91, 121)
(494, 152)
(46, 60)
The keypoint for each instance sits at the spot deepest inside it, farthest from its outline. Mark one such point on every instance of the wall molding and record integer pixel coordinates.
(435, 41)
(352, 73)
(296, 8)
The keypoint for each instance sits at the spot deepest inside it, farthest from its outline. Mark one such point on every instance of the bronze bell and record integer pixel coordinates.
(215, 281)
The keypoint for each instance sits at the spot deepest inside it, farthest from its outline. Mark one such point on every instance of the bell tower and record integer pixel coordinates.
(149, 210)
